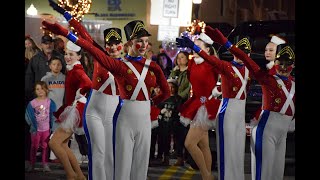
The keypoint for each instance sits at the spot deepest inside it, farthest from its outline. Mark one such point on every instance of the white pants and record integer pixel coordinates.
(133, 136)
(268, 146)
(231, 134)
(99, 122)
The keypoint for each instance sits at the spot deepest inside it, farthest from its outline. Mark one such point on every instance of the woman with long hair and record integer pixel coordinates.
(30, 49)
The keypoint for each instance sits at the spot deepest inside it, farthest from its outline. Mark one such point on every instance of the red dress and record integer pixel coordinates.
(75, 78)
(203, 79)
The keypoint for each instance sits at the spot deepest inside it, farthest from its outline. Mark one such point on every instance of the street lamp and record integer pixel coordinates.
(32, 10)
(196, 4)
(197, 1)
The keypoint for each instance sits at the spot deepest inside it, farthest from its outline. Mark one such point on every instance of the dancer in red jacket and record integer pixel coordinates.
(268, 139)
(100, 114)
(230, 126)
(137, 77)
(69, 115)
(201, 109)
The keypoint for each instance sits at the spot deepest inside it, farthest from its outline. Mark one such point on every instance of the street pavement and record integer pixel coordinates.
(156, 172)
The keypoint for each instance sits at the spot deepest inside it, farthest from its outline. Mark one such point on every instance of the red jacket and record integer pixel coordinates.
(273, 96)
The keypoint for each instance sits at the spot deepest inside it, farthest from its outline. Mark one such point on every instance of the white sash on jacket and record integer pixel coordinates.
(141, 84)
(243, 80)
(109, 81)
(289, 100)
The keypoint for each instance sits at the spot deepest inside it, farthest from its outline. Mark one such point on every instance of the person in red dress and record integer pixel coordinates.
(69, 115)
(230, 130)
(201, 109)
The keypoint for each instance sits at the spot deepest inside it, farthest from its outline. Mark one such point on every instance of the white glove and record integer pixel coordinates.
(154, 124)
(216, 92)
(164, 110)
(292, 125)
(253, 122)
(79, 97)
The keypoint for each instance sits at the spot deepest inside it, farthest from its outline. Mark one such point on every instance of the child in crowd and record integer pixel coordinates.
(39, 115)
(169, 114)
(55, 81)
(155, 111)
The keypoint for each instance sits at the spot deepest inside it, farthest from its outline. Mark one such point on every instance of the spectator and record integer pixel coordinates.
(161, 50)
(165, 63)
(30, 50)
(39, 65)
(39, 115)
(179, 72)
(56, 84)
(153, 159)
(59, 45)
(55, 80)
(149, 54)
(168, 115)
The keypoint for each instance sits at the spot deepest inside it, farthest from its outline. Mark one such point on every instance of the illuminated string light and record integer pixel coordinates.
(196, 27)
(46, 31)
(32, 10)
(76, 10)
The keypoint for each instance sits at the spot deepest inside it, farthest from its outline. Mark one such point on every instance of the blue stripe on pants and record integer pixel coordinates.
(85, 127)
(114, 123)
(221, 136)
(258, 144)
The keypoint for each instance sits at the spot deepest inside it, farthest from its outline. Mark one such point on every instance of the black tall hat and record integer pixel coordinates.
(244, 45)
(285, 52)
(135, 29)
(112, 35)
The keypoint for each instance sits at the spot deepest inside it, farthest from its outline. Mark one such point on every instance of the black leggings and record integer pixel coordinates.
(82, 143)
(180, 134)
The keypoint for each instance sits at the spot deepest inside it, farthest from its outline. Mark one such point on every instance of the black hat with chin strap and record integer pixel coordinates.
(112, 35)
(285, 53)
(244, 45)
(135, 29)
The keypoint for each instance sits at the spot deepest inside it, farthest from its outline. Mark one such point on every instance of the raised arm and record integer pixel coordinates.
(74, 23)
(219, 38)
(106, 61)
(217, 64)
